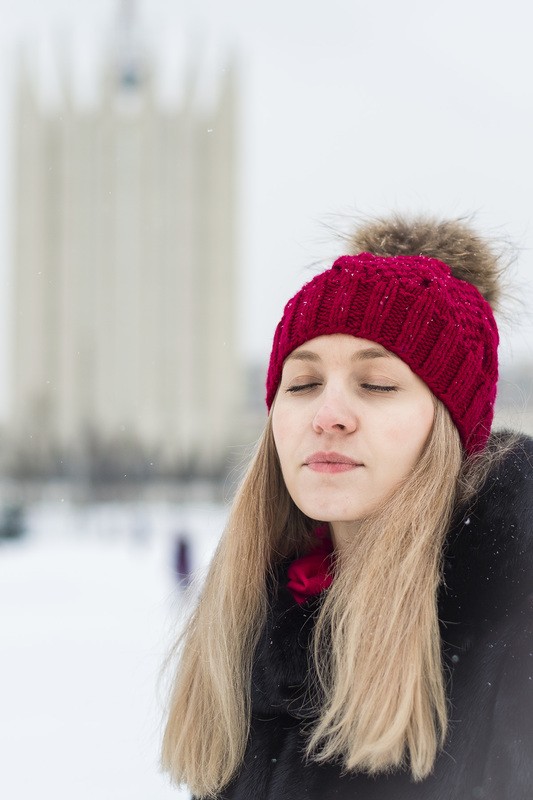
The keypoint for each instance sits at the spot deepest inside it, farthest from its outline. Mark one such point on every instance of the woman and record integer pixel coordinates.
(365, 630)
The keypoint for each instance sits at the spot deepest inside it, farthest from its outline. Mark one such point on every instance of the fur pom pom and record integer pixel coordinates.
(469, 256)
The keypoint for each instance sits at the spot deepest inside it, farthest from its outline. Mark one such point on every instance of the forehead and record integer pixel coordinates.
(340, 345)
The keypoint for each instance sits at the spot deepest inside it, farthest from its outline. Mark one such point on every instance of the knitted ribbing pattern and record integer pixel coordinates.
(413, 306)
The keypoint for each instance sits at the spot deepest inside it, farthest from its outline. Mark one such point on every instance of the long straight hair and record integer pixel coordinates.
(208, 721)
(380, 690)
(379, 623)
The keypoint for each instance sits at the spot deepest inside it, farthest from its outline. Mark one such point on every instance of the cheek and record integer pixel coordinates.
(409, 431)
(277, 430)
(282, 429)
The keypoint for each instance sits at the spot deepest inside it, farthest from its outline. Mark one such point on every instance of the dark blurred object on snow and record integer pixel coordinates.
(182, 560)
(12, 522)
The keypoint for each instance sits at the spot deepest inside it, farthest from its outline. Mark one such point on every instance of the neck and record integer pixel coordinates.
(343, 532)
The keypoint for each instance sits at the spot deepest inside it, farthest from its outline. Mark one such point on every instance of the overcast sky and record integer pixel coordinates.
(346, 107)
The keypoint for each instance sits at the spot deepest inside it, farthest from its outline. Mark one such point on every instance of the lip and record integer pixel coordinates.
(331, 462)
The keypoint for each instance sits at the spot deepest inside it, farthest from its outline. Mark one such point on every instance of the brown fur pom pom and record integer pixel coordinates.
(468, 255)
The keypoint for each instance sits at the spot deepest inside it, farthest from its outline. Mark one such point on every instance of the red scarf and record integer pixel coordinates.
(311, 574)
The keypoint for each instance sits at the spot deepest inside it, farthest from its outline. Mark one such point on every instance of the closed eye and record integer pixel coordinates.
(300, 387)
(372, 387)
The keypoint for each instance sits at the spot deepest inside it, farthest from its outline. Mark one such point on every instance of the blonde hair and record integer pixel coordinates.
(380, 621)
(379, 691)
(208, 721)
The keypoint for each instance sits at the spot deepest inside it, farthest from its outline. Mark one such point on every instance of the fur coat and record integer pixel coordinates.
(486, 615)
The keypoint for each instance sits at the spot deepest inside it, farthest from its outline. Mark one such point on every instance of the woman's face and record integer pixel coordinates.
(350, 421)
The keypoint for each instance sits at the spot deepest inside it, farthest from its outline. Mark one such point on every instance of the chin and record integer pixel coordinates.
(328, 512)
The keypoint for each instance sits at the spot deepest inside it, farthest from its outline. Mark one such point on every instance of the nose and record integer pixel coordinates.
(335, 415)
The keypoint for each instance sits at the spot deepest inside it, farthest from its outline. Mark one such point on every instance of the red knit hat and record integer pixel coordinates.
(413, 306)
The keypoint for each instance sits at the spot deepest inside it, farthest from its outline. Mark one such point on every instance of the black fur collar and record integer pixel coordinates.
(488, 565)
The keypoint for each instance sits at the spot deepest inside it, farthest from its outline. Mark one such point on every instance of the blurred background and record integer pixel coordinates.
(170, 172)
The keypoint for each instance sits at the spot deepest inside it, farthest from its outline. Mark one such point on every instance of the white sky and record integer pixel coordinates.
(346, 106)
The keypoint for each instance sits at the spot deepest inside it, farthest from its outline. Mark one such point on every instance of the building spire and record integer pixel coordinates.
(129, 50)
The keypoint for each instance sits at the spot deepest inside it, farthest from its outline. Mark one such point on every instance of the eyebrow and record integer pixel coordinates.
(362, 355)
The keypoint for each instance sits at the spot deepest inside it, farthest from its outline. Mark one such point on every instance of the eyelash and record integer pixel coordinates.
(300, 387)
(370, 387)
(375, 388)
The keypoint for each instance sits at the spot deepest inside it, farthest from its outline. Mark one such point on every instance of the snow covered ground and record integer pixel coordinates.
(89, 606)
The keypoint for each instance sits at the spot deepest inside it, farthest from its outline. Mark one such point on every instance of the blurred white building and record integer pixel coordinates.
(125, 273)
